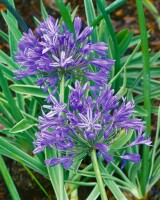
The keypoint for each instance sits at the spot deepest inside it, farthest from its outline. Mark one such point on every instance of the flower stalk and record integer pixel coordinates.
(61, 170)
(146, 83)
(62, 88)
(98, 176)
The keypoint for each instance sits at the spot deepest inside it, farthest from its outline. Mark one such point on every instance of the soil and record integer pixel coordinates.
(124, 17)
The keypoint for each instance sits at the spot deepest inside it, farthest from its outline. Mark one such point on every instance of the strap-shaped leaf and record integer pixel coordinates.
(10, 6)
(120, 140)
(90, 13)
(4, 58)
(17, 34)
(4, 36)
(65, 14)
(21, 126)
(4, 85)
(32, 90)
(8, 180)
(43, 10)
(56, 175)
(11, 151)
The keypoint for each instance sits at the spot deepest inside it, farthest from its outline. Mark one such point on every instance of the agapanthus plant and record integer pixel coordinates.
(53, 51)
(87, 124)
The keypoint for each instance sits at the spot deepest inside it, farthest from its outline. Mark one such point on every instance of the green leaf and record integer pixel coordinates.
(6, 113)
(135, 40)
(94, 194)
(30, 90)
(56, 175)
(13, 14)
(21, 126)
(90, 13)
(4, 36)
(155, 160)
(102, 33)
(116, 4)
(12, 4)
(8, 180)
(8, 73)
(121, 92)
(81, 183)
(132, 73)
(33, 107)
(121, 34)
(68, 6)
(36, 21)
(124, 38)
(155, 165)
(111, 45)
(154, 94)
(132, 173)
(139, 111)
(11, 151)
(74, 13)
(6, 110)
(112, 185)
(15, 111)
(37, 182)
(129, 59)
(12, 40)
(117, 67)
(43, 10)
(5, 122)
(5, 59)
(120, 140)
(30, 117)
(4, 103)
(65, 14)
(154, 110)
(17, 34)
(20, 101)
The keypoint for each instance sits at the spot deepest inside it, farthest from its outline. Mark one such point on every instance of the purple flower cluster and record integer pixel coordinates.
(87, 123)
(54, 51)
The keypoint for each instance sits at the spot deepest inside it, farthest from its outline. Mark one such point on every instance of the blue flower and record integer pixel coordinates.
(66, 161)
(76, 96)
(86, 124)
(53, 51)
(89, 122)
(103, 149)
(141, 140)
(131, 157)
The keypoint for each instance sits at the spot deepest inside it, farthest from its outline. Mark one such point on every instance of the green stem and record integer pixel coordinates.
(62, 88)
(98, 176)
(146, 83)
(61, 171)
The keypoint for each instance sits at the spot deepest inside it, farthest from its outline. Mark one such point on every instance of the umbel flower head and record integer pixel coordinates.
(87, 124)
(54, 51)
